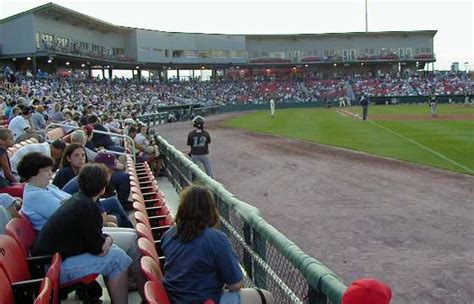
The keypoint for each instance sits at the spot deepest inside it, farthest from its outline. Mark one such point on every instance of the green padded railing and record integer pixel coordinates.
(269, 259)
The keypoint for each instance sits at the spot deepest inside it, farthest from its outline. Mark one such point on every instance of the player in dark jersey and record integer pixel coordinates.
(199, 141)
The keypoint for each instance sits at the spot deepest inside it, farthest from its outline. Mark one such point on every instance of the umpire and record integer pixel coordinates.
(199, 141)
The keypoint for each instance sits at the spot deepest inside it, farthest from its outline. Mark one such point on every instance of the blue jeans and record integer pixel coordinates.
(110, 265)
(230, 298)
(112, 205)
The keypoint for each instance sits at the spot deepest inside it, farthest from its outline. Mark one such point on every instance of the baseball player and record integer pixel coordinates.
(364, 102)
(433, 106)
(199, 141)
(272, 108)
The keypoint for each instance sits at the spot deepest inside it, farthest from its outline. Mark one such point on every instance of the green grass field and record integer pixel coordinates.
(405, 132)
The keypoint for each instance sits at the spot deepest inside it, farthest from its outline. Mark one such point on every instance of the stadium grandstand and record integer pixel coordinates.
(59, 95)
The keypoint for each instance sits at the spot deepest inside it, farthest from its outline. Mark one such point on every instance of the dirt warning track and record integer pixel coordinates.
(362, 216)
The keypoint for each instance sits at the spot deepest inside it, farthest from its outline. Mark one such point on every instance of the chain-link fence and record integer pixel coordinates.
(269, 260)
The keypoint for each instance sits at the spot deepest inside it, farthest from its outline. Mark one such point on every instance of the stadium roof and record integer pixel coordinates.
(59, 12)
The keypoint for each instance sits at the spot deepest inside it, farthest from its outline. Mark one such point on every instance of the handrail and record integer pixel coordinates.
(55, 124)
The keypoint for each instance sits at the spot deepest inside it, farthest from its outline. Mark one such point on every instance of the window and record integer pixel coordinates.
(401, 53)
(96, 48)
(408, 52)
(167, 53)
(177, 54)
(219, 54)
(190, 54)
(62, 41)
(84, 46)
(204, 54)
(118, 51)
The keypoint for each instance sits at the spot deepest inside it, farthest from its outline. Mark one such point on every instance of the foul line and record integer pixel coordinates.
(415, 143)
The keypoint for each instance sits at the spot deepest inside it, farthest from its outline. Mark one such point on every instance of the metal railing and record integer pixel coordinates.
(269, 259)
(125, 137)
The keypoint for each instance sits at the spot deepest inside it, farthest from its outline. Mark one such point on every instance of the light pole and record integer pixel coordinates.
(366, 18)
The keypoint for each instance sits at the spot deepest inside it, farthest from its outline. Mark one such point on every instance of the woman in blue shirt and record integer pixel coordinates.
(200, 260)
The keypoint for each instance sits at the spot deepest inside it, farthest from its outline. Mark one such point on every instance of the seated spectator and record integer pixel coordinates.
(103, 140)
(8, 182)
(38, 120)
(200, 260)
(147, 151)
(11, 204)
(73, 159)
(69, 121)
(54, 150)
(57, 115)
(75, 231)
(21, 128)
(40, 199)
(79, 137)
(117, 190)
(367, 291)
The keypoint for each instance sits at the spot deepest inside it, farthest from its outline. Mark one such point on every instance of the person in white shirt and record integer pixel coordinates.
(20, 125)
(53, 150)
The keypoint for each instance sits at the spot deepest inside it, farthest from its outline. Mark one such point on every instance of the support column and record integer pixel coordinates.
(139, 74)
(103, 73)
(90, 72)
(110, 73)
(177, 74)
(34, 65)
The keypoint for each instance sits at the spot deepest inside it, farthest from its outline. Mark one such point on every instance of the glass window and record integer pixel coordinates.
(408, 52)
(84, 46)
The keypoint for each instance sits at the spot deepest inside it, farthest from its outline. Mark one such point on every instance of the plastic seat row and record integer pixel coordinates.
(55, 133)
(12, 150)
(153, 219)
(22, 270)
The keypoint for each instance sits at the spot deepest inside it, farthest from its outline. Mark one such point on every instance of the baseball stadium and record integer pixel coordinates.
(283, 168)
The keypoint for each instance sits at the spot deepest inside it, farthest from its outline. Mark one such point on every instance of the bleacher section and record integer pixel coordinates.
(23, 279)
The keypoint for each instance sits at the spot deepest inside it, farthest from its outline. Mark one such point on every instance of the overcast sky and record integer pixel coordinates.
(453, 19)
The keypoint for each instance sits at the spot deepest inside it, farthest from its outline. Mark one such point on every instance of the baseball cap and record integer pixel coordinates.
(109, 160)
(88, 129)
(367, 291)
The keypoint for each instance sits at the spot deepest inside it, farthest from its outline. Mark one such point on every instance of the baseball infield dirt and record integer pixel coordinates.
(410, 226)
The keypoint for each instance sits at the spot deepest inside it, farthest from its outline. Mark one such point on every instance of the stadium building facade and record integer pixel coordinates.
(51, 37)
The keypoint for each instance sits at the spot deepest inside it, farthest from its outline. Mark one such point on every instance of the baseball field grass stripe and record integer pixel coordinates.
(446, 142)
(424, 147)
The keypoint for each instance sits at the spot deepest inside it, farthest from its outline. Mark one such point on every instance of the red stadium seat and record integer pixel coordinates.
(22, 231)
(150, 269)
(147, 248)
(45, 292)
(6, 293)
(155, 293)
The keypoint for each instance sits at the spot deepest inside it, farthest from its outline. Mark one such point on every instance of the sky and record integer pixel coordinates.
(452, 19)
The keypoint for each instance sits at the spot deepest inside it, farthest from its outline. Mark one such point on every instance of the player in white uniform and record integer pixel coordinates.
(272, 108)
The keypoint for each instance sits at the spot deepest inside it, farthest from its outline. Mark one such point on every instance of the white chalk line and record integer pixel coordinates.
(341, 113)
(444, 157)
